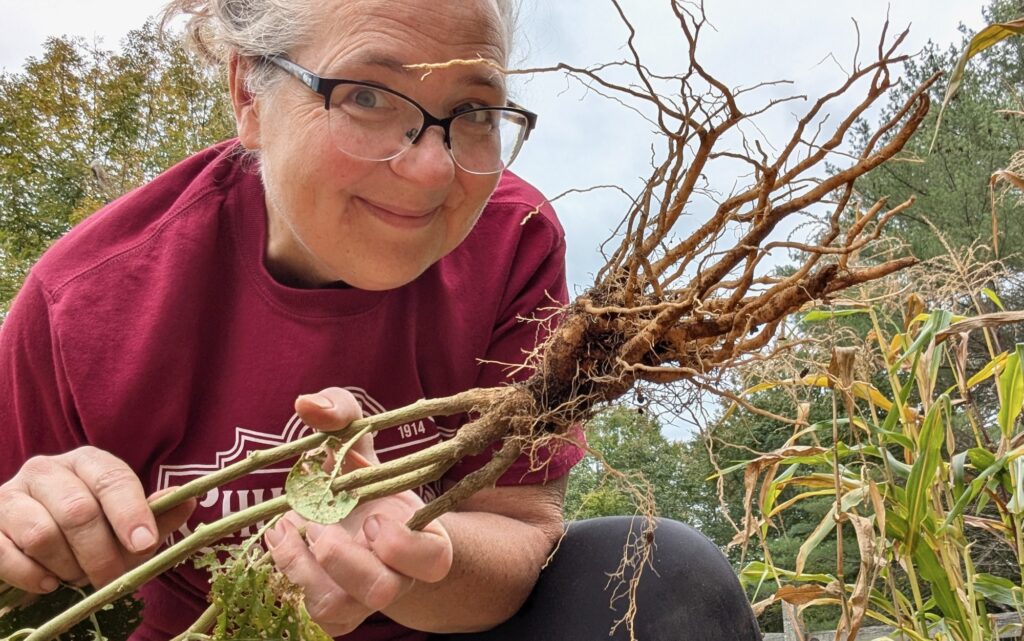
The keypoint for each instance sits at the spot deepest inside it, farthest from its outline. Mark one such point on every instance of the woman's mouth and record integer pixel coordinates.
(399, 217)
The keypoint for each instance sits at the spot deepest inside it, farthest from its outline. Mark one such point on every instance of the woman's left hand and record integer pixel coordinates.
(368, 560)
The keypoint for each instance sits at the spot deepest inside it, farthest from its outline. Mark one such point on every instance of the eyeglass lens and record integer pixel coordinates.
(369, 123)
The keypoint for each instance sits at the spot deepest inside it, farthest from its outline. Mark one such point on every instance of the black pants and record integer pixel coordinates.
(690, 593)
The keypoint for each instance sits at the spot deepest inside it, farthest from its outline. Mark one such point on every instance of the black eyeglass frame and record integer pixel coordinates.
(325, 86)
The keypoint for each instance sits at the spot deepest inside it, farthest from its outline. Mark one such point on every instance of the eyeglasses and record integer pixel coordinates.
(375, 123)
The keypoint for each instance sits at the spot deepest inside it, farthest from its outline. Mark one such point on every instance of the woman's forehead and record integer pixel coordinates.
(406, 32)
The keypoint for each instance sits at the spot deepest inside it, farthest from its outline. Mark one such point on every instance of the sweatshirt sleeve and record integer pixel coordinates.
(37, 413)
(536, 294)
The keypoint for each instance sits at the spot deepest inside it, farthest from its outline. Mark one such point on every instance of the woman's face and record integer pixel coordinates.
(373, 224)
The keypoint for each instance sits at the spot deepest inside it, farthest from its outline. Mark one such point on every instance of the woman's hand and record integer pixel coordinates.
(363, 564)
(368, 560)
(80, 517)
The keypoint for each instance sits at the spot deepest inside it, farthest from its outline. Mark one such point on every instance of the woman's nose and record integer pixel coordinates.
(429, 162)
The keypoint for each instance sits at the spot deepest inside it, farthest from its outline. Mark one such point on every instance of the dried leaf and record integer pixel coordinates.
(865, 575)
(1008, 176)
(802, 594)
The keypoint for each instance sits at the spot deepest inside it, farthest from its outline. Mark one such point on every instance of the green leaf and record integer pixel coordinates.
(981, 458)
(990, 466)
(999, 590)
(958, 463)
(308, 488)
(758, 571)
(115, 622)
(256, 601)
(937, 321)
(776, 488)
(1016, 504)
(922, 472)
(1011, 391)
(992, 296)
(818, 315)
(827, 524)
(982, 40)
(930, 569)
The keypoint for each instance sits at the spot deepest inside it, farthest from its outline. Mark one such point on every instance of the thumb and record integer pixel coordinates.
(173, 518)
(328, 410)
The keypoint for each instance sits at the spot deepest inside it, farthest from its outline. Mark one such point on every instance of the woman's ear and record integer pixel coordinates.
(247, 118)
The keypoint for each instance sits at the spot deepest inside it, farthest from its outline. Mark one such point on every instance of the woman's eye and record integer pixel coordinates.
(482, 115)
(366, 98)
(463, 108)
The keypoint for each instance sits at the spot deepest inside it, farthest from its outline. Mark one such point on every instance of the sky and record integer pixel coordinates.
(582, 139)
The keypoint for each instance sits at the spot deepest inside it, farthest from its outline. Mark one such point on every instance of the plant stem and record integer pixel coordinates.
(207, 534)
(915, 588)
(423, 408)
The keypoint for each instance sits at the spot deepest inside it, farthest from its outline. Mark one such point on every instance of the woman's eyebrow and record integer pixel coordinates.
(481, 75)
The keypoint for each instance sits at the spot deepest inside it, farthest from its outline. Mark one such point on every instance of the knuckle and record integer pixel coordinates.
(112, 479)
(287, 561)
(38, 465)
(38, 537)
(329, 606)
(78, 511)
(382, 592)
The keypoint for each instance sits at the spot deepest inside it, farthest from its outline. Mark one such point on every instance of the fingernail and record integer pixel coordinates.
(313, 532)
(49, 584)
(142, 538)
(371, 528)
(320, 401)
(273, 537)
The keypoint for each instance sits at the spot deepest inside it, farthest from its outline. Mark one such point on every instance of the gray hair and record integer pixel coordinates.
(220, 29)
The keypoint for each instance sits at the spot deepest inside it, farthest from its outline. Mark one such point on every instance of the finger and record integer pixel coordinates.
(173, 518)
(80, 519)
(166, 523)
(19, 570)
(425, 556)
(121, 497)
(328, 410)
(357, 570)
(30, 527)
(330, 606)
(361, 455)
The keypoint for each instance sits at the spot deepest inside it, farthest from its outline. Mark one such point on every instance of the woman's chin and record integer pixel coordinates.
(381, 280)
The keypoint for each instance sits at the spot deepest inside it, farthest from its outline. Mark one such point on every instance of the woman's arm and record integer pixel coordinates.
(501, 538)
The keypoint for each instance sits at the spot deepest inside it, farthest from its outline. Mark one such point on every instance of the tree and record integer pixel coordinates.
(631, 461)
(81, 125)
(951, 184)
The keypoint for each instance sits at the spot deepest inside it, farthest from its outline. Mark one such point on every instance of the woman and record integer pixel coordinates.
(361, 231)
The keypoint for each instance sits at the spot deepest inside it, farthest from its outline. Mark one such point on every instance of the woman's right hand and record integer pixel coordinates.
(80, 517)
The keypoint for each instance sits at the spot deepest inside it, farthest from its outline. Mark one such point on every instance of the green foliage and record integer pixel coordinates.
(308, 485)
(254, 599)
(79, 126)
(633, 445)
(115, 622)
(951, 184)
(915, 494)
